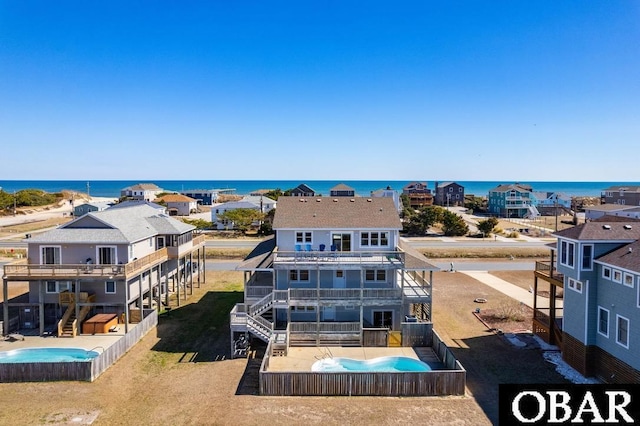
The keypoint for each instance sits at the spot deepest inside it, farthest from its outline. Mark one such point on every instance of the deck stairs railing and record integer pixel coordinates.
(260, 327)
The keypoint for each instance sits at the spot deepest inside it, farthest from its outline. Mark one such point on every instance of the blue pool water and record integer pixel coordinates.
(386, 364)
(17, 356)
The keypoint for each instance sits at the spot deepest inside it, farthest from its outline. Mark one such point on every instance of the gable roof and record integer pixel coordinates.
(413, 185)
(124, 225)
(336, 213)
(304, 188)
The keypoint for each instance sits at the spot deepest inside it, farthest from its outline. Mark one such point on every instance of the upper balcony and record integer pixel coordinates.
(179, 251)
(22, 271)
(546, 271)
(338, 259)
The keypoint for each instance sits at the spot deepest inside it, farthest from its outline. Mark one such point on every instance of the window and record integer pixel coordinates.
(575, 285)
(50, 256)
(374, 239)
(303, 237)
(603, 321)
(628, 280)
(587, 257)
(110, 287)
(375, 275)
(52, 287)
(617, 276)
(622, 331)
(606, 272)
(303, 309)
(566, 253)
(299, 275)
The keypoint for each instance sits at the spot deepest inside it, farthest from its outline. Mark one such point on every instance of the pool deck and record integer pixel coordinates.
(302, 358)
(84, 341)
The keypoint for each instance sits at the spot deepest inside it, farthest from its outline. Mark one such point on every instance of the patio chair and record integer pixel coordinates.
(308, 247)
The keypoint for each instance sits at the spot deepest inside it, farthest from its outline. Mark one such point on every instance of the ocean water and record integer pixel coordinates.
(111, 188)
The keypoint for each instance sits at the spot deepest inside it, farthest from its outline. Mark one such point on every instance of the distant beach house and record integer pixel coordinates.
(589, 299)
(511, 200)
(390, 193)
(206, 197)
(621, 194)
(419, 194)
(179, 205)
(449, 194)
(261, 204)
(303, 190)
(96, 206)
(342, 190)
(551, 200)
(141, 191)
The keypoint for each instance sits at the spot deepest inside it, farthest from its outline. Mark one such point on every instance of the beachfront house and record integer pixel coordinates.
(335, 273)
(511, 200)
(303, 190)
(342, 190)
(621, 194)
(588, 298)
(120, 261)
(206, 197)
(419, 195)
(141, 191)
(449, 194)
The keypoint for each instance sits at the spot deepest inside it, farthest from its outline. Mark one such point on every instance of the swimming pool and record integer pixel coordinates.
(18, 356)
(386, 364)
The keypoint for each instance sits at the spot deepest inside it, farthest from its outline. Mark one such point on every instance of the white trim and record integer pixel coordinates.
(590, 266)
(575, 285)
(46, 287)
(106, 289)
(606, 269)
(54, 247)
(298, 273)
(115, 254)
(618, 317)
(626, 275)
(586, 312)
(600, 308)
(613, 276)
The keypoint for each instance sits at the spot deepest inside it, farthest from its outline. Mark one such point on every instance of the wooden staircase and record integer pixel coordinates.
(68, 324)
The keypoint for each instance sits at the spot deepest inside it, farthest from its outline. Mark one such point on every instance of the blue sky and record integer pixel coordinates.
(428, 90)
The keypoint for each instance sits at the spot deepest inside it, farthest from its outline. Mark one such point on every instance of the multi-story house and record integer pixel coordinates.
(260, 204)
(419, 195)
(342, 190)
(336, 267)
(303, 190)
(206, 197)
(118, 261)
(511, 200)
(590, 306)
(141, 191)
(621, 194)
(449, 194)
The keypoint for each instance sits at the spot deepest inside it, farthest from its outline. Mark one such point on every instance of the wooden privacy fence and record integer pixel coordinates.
(83, 371)
(428, 383)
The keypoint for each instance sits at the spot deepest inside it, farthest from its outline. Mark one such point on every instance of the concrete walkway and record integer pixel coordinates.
(511, 290)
